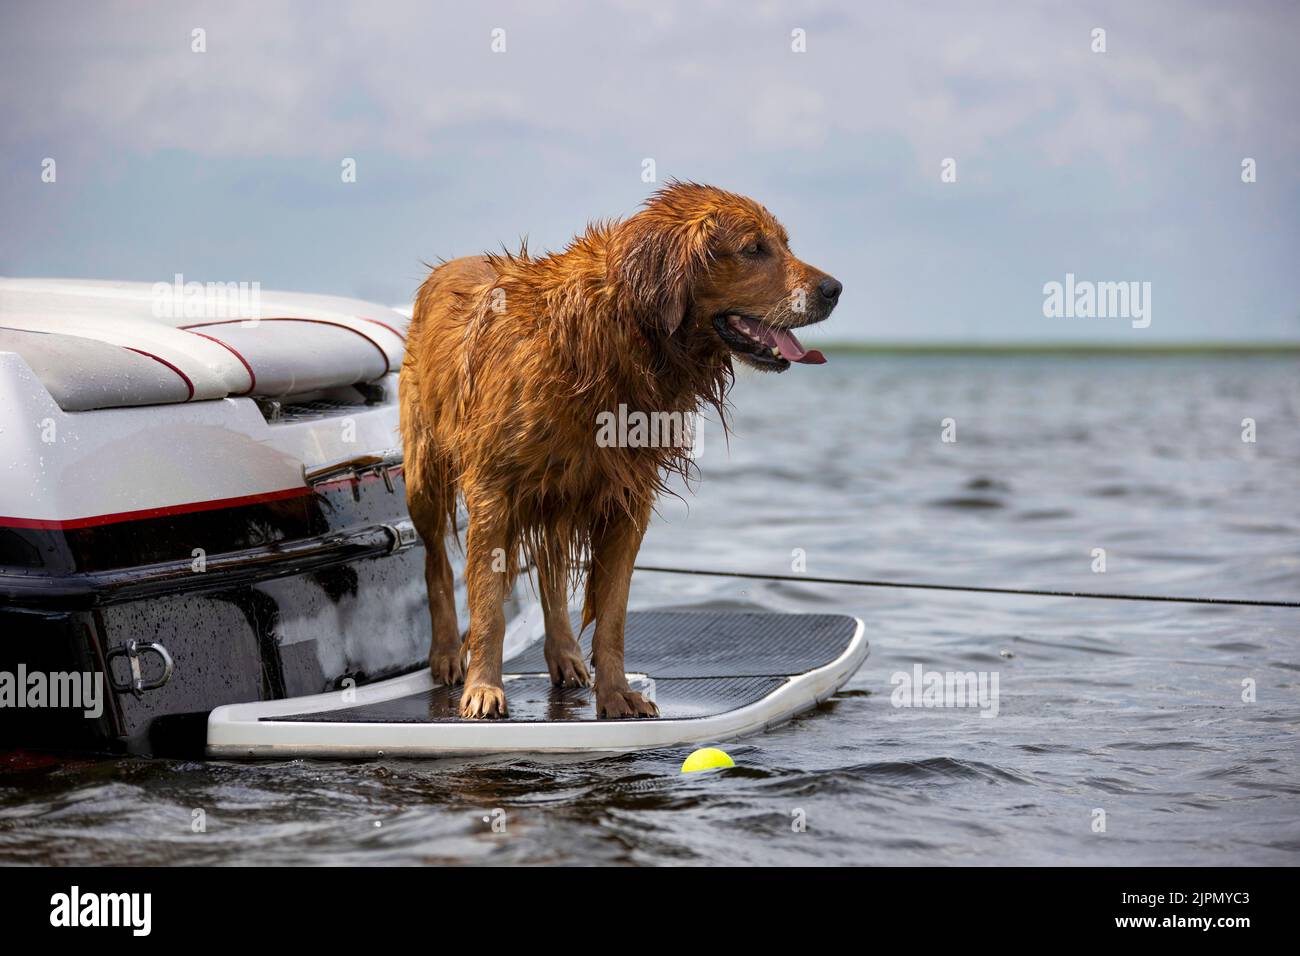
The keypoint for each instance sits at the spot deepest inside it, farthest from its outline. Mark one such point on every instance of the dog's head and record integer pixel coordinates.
(716, 269)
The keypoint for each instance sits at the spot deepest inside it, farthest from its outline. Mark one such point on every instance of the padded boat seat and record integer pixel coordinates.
(103, 345)
(82, 374)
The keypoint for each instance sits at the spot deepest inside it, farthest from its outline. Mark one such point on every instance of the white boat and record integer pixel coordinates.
(202, 510)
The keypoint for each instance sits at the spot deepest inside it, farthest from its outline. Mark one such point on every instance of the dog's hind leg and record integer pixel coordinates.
(431, 498)
(614, 548)
(563, 655)
(489, 567)
(446, 651)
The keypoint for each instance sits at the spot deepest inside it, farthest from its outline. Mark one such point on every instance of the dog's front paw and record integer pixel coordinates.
(483, 701)
(447, 662)
(566, 665)
(622, 702)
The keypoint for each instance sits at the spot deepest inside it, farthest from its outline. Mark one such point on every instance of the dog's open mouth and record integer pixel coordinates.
(766, 346)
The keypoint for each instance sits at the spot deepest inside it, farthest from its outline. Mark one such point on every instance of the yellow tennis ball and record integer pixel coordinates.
(707, 758)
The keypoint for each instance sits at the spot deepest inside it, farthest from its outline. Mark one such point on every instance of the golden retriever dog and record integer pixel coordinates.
(510, 361)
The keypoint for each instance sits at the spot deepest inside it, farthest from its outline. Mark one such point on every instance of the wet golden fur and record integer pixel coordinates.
(509, 361)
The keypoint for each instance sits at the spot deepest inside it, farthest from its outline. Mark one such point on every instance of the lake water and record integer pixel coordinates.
(1131, 710)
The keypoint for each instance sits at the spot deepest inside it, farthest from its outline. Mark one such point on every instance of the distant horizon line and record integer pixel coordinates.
(1068, 348)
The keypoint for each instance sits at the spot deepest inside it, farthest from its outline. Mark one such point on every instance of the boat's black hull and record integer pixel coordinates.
(253, 600)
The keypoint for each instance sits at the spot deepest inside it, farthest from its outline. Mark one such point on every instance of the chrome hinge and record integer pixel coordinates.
(354, 466)
(132, 650)
(403, 534)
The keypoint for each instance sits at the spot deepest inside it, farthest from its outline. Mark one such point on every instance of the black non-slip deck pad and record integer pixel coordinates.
(702, 663)
(717, 644)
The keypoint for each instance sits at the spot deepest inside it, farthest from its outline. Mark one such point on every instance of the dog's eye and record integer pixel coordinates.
(753, 249)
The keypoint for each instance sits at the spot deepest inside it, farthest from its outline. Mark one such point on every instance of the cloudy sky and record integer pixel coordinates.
(1117, 166)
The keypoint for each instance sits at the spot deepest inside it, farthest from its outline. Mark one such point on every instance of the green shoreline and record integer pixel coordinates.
(1060, 348)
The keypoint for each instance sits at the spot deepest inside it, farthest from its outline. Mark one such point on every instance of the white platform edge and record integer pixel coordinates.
(239, 731)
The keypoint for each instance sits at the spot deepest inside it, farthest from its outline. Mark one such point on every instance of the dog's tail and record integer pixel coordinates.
(430, 482)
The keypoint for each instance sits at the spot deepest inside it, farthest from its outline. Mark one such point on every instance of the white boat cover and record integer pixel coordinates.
(98, 344)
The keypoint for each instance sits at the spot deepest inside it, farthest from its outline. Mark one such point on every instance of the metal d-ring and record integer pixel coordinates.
(132, 650)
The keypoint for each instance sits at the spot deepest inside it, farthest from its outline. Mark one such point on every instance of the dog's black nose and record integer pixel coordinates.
(830, 288)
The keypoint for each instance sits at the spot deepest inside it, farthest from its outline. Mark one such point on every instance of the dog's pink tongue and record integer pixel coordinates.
(783, 341)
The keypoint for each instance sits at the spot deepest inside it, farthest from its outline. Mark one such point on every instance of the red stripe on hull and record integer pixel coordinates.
(54, 524)
(212, 504)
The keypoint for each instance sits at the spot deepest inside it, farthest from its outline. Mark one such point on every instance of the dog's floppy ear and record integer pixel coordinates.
(653, 263)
